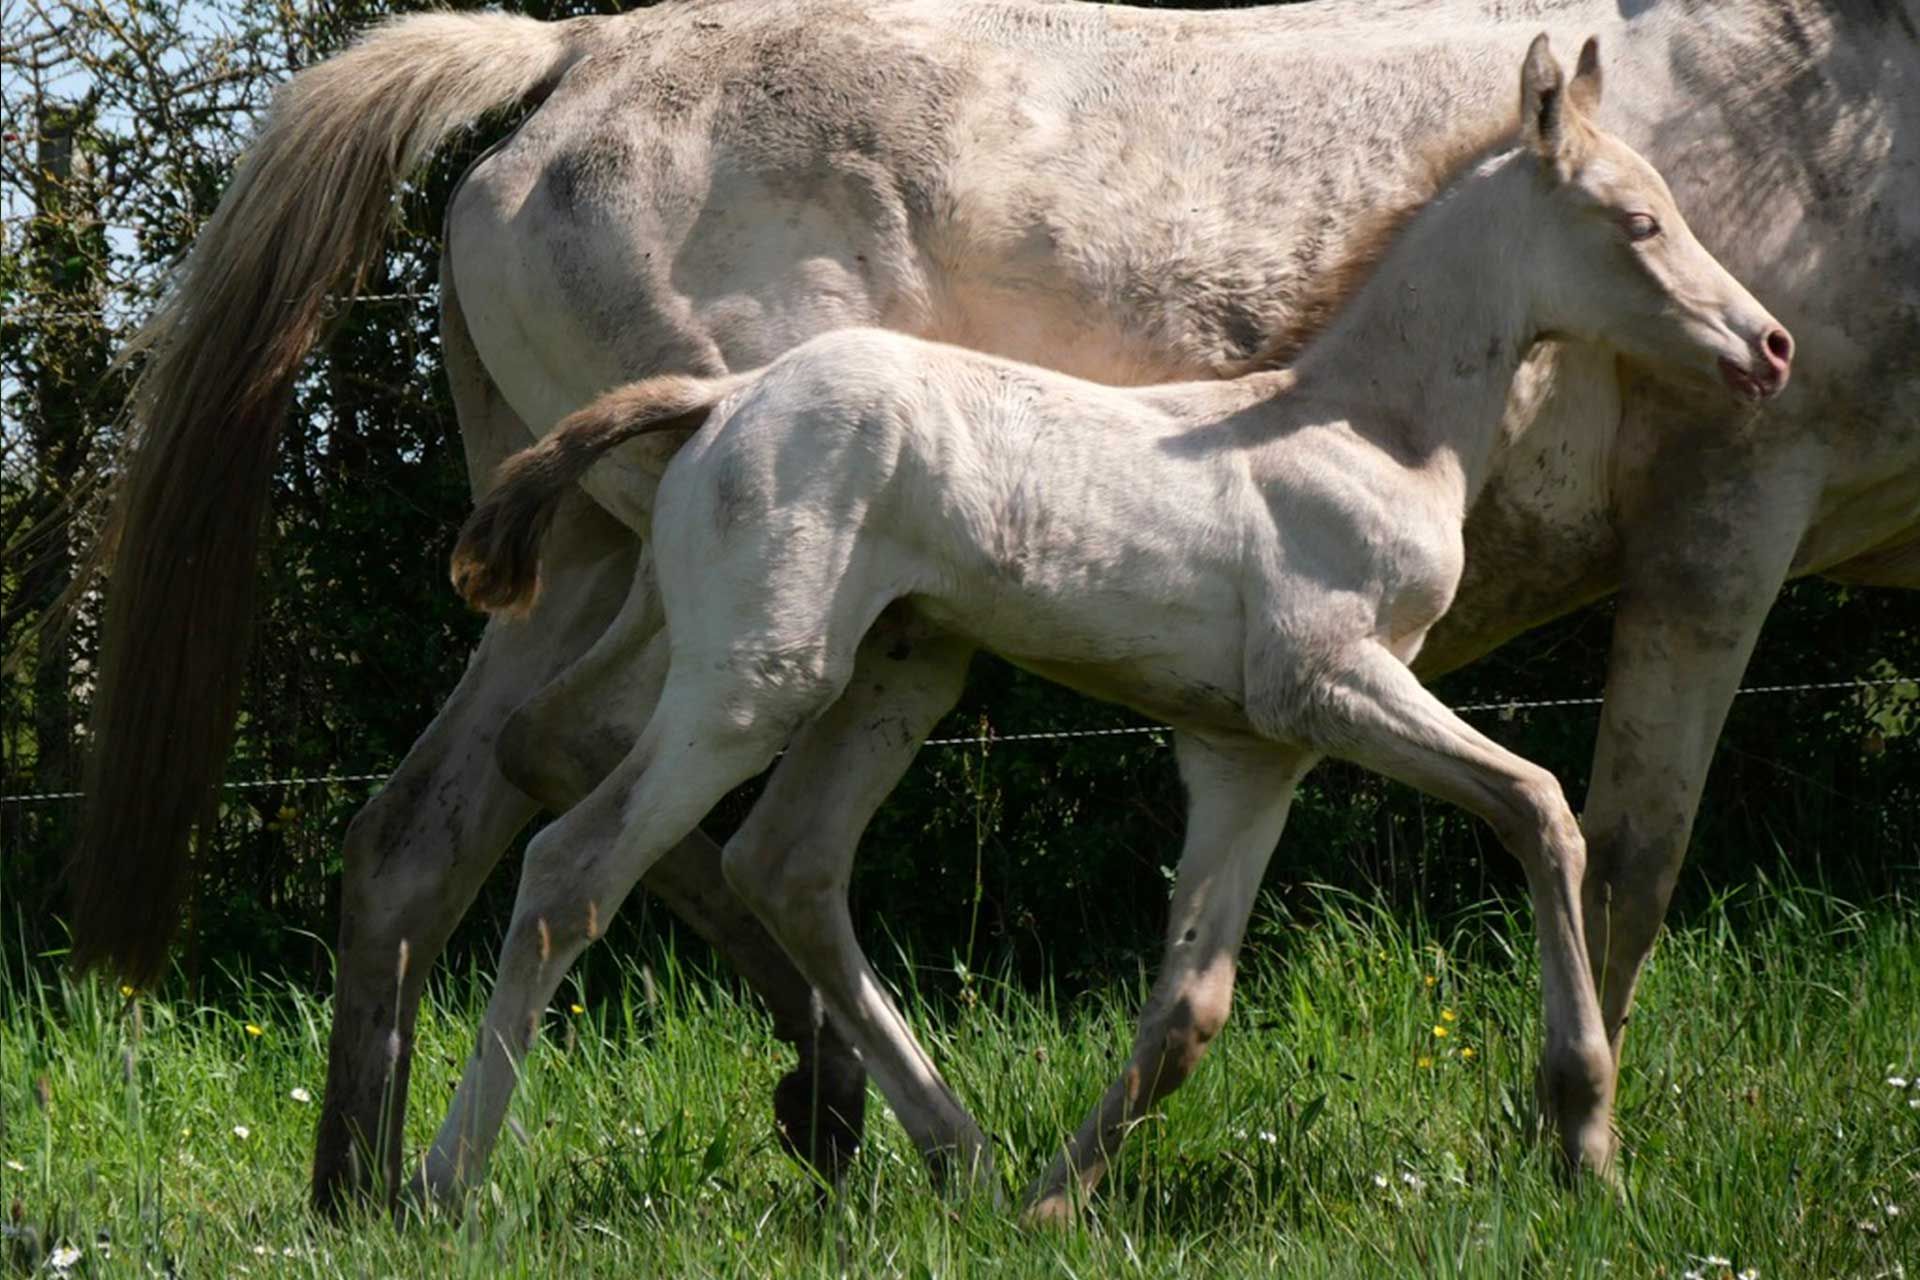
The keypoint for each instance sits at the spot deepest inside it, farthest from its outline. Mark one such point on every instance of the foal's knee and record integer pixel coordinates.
(1541, 830)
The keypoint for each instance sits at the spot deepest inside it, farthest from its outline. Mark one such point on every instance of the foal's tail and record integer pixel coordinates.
(303, 218)
(496, 566)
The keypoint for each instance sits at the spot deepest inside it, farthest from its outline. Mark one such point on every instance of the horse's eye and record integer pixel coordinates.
(1640, 226)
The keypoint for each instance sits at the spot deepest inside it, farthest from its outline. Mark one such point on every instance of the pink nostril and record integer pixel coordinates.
(1779, 348)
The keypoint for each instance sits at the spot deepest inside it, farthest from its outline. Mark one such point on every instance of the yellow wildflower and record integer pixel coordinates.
(1425, 1061)
(126, 991)
(1466, 1053)
(576, 1008)
(1439, 1031)
(1431, 979)
(1446, 1015)
(253, 1030)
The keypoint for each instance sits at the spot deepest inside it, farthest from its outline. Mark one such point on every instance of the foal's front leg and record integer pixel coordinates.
(1238, 794)
(1374, 712)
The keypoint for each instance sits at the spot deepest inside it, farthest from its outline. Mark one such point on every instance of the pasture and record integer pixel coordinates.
(1334, 1132)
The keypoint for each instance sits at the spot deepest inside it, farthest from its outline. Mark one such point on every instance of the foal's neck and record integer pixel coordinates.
(1423, 357)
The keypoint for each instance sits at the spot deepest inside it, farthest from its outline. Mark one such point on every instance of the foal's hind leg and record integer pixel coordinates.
(417, 854)
(1374, 712)
(707, 735)
(793, 856)
(1237, 800)
(575, 732)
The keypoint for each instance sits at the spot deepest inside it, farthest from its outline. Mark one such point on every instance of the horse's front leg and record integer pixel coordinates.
(1708, 542)
(1237, 800)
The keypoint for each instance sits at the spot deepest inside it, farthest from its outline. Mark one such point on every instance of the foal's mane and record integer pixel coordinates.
(1436, 164)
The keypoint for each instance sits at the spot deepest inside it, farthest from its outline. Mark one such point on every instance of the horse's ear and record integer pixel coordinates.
(1584, 91)
(1543, 102)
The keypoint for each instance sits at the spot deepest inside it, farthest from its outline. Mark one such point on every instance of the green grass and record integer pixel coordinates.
(1331, 1132)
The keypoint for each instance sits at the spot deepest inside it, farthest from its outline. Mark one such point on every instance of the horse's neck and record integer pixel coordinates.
(1422, 359)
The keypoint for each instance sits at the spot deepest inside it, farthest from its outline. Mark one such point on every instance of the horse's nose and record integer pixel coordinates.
(1776, 354)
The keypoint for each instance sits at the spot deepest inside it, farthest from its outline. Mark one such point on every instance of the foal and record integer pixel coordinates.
(1254, 562)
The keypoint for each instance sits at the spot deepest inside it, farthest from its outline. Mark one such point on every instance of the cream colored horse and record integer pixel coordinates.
(1252, 561)
(1128, 195)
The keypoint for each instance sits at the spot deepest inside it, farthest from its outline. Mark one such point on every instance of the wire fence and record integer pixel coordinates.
(1506, 709)
(14, 314)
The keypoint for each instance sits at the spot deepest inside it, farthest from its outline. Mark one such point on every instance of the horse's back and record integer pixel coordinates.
(1129, 196)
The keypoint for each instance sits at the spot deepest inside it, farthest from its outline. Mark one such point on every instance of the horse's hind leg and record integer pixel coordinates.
(1237, 800)
(792, 858)
(415, 856)
(418, 852)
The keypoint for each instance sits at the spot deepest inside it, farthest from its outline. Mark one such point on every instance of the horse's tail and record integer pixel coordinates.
(496, 565)
(303, 218)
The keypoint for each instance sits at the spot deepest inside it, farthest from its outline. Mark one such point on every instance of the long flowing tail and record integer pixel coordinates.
(304, 217)
(496, 565)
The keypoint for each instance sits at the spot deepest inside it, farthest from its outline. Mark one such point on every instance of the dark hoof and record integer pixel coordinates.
(819, 1116)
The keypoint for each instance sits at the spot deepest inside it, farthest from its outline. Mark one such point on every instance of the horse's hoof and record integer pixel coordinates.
(1591, 1156)
(819, 1118)
(1051, 1212)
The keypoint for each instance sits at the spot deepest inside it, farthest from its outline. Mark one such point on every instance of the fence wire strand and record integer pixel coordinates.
(57, 313)
(1505, 709)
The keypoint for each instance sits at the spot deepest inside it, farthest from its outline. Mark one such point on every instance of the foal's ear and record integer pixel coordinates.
(1543, 102)
(1584, 92)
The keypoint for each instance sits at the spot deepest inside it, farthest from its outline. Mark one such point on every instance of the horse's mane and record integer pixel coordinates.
(1328, 290)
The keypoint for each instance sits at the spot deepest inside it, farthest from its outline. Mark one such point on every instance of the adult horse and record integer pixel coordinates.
(1127, 195)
